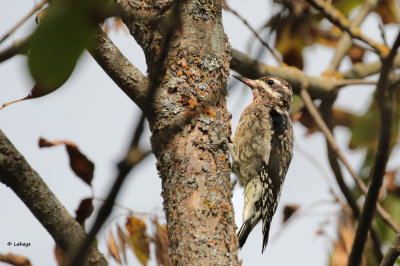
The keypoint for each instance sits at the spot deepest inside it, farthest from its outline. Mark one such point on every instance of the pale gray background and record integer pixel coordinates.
(92, 111)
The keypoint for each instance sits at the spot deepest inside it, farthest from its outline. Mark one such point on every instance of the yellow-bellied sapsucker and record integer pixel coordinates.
(262, 151)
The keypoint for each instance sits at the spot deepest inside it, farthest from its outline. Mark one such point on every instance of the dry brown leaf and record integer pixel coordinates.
(84, 210)
(138, 238)
(390, 183)
(116, 24)
(288, 211)
(16, 260)
(356, 54)
(388, 11)
(112, 247)
(342, 247)
(161, 241)
(123, 240)
(79, 163)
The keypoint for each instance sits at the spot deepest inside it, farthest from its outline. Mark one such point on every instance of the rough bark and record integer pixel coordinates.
(191, 128)
(17, 174)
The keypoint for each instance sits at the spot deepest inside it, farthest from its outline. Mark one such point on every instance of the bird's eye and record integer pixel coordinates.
(270, 82)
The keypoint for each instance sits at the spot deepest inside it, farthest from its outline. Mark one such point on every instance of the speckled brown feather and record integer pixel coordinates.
(262, 151)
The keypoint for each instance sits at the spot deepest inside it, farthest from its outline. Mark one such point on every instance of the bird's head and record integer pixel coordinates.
(273, 90)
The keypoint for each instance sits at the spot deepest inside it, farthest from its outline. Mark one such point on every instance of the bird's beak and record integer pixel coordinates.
(249, 82)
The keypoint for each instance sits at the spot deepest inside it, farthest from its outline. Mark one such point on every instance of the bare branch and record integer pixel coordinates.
(318, 87)
(340, 21)
(17, 174)
(362, 70)
(326, 108)
(35, 8)
(245, 65)
(347, 82)
(321, 124)
(384, 98)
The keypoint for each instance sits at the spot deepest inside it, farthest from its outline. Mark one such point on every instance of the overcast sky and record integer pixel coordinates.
(91, 111)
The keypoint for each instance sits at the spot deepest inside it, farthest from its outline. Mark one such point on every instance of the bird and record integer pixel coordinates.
(262, 152)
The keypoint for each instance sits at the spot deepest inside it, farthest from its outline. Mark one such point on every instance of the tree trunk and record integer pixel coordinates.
(190, 128)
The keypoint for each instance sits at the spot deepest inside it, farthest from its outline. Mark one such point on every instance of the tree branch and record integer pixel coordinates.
(362, 70)
(318, 87)
(328, 134)
(327, 115)
(191, 146)
(392, 253)
(134, 154)
(340, 21)
(326, 110)
(245, 65)
(384, 98)
(17, 174)
(345, 41)
(133, 157)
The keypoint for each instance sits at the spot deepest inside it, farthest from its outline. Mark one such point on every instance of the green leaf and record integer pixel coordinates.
(392, 205)
(138, 239)
(60, 39)
(346, 6)
(365, 131)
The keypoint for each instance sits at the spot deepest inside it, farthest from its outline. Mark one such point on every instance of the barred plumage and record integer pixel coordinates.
(262, 151)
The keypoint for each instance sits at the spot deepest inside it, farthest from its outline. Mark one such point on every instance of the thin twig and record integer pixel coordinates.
(321, 124)
(337, 18)
(269, 48)
(326, 108)
(347, 82)
(384, 98)
(33, 11)
(362, 70)
(106, 208)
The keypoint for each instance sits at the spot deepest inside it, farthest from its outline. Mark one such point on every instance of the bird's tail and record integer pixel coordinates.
(265, 229)
(244, 232)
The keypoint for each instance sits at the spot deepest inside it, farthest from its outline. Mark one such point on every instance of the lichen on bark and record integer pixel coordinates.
(191, 128)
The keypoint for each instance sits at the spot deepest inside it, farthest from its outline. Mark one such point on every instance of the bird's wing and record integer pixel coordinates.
(274, 170)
